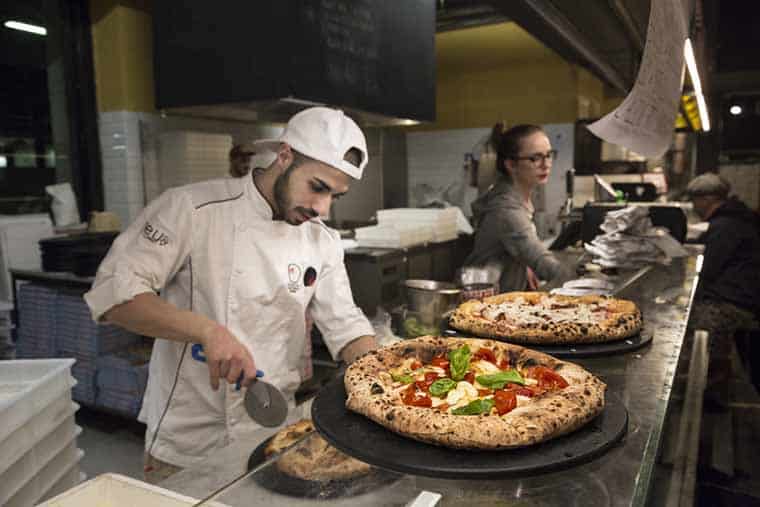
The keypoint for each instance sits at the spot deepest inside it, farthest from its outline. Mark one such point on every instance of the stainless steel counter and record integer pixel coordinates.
(623, 476)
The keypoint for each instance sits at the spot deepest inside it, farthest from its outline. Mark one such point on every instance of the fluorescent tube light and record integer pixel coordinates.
(26, 27)
(691, 64)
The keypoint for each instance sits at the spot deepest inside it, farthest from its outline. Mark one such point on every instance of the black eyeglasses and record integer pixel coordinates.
(539, 157)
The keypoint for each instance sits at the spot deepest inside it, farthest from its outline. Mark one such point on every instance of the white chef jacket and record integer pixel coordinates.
(213, 248)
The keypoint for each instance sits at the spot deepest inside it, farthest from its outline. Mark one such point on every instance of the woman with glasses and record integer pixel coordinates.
(506, 237)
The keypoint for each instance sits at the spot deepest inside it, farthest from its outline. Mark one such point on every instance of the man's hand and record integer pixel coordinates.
(227, 357)
(358, 347)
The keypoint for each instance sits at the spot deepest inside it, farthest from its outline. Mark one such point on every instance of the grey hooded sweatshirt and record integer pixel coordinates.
(506, 236)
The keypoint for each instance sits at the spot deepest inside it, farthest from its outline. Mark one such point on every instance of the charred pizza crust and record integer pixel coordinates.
(548, 416)
(623, 320)
(315, 460)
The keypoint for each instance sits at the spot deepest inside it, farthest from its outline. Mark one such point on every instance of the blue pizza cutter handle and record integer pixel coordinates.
(197, 352)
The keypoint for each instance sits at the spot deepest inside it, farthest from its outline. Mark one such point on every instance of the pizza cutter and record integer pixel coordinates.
(264, 403)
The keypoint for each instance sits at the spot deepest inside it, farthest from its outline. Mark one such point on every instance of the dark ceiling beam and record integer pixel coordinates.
(629, 25)
(457, 16)
(544, 21)
(723, 83)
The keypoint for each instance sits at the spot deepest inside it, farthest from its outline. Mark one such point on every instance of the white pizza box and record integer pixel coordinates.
(27, 387)
(30, 467)
(114, 490)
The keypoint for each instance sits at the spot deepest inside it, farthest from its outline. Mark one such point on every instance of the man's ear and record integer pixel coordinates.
(284, 155)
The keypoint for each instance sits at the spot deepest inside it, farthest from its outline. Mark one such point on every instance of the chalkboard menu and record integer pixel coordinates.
(376, 56)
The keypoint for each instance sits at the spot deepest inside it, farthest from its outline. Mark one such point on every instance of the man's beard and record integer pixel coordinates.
(282, 201)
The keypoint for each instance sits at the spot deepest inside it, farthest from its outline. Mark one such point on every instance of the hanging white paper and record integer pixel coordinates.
(644, 121)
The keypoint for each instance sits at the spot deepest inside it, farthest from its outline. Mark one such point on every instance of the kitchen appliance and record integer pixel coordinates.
(637, 192)
(264, 403)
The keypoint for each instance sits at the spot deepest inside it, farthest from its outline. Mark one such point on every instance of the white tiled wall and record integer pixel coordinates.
(131, 165)
(745, 182)
(436, 161)
(122, 164)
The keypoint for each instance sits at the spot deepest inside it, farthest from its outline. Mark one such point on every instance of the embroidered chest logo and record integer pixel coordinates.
(294, 277)
(153, 235)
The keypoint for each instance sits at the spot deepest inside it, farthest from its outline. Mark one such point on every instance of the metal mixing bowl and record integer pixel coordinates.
(431, 299)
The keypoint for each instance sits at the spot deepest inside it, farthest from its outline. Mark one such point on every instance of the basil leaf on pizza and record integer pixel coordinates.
(475, 407)
(500, 379)
(442, 386)
(404, 379)
(542, 318)
(518, 396)
(459, 361)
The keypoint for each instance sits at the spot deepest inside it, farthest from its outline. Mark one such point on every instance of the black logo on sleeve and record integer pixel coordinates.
(154, 235)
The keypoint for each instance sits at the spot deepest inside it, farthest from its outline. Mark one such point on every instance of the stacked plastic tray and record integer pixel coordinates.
(38, 433)
(121, 381)
(36, 312)
(443, 222)
(79, 337)
(7, 348)
(56, 323)
(393, 236)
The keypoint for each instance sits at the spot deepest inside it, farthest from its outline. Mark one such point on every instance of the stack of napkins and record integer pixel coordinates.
(631, 241)
(585, 286)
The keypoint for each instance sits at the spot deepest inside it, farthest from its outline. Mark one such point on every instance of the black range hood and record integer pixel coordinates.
(267, 59)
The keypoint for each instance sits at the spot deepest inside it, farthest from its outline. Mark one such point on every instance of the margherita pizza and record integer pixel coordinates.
(315, 460)
(469, 393)
(541, 318)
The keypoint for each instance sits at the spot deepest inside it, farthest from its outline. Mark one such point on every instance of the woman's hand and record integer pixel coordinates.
(227, 357)
(532, 279)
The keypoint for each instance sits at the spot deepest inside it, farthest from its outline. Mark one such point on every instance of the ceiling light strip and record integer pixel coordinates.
(691, 64)
(25, 27)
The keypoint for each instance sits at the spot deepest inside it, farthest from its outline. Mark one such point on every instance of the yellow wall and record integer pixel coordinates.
(122, 40)
(508, 75)
(484, 74)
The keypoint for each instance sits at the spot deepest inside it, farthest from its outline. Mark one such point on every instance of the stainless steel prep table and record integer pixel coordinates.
(623, 476)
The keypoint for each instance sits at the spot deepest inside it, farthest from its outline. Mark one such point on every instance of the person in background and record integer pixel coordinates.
(505, 233)
(237, 261)
(240, 160)
(728, 294)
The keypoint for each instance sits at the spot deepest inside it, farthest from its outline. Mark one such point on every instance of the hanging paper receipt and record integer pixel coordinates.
(644, 121)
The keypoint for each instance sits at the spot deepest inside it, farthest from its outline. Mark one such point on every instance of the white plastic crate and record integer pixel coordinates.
(30, 434)
(115, 490)
(25, 469)
(47, 478)
(24, 485)
(400, 236)
(27, 386)
(442, 222)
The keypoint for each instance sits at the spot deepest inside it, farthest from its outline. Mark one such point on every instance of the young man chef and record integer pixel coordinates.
(237, 262)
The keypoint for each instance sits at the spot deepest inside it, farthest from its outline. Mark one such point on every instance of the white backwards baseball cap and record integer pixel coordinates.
(323, 134)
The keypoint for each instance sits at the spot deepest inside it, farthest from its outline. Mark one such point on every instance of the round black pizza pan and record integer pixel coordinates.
(580, 350)
(366, 440)
(270, 478)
